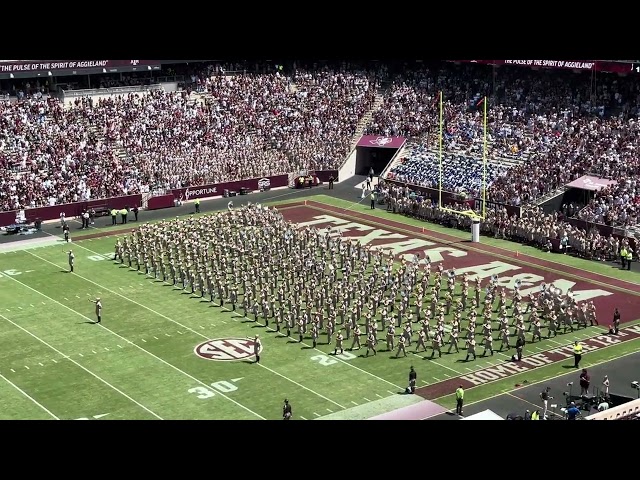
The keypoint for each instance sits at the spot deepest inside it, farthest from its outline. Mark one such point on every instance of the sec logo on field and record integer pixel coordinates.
(226, 349)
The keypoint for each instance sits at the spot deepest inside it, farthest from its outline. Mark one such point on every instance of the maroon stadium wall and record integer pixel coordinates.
(323, 175)
(71, 209)
(162, 201)
(217, 189)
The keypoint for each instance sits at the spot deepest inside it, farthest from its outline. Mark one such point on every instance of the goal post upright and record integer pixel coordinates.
(440, 154)
(484, 164)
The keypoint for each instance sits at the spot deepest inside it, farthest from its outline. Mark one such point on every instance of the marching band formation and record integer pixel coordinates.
(316, 282)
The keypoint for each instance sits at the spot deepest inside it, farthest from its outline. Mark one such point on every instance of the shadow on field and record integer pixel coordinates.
(65, 271)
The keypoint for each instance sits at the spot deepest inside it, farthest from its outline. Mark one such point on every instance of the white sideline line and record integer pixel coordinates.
(76, 363)
(200, 334)
(28, 396)
(448, 368)
(302, 418)
(137, 346)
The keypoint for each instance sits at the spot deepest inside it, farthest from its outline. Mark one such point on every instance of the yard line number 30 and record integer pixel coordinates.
(221, 387)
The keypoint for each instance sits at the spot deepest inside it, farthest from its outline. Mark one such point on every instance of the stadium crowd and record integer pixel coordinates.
(245, 126)
(558, 124)
(533, 227)
(617, 205)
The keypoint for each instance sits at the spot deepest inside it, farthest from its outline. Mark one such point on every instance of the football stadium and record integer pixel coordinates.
(438, 240)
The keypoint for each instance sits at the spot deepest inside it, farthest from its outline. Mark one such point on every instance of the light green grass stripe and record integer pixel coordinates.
(376, 407)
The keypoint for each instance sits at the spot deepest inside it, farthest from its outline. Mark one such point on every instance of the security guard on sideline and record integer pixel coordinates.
(197, 204)
(623, 257)
(459, 400)
(123, 215)
(535, 415)
(114, 216)
(577, 353)
(373, 200)
(629, 258)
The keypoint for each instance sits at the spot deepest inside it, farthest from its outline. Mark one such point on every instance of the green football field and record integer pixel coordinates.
(139, 363)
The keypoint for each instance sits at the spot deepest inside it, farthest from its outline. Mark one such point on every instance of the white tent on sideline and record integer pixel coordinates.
(484, 415)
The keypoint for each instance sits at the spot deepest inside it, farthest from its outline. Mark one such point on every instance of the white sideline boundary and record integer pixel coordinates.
(77, 364)
(25, 394)
(127, 341)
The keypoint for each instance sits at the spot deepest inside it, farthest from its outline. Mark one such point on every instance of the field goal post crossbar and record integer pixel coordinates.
(468, 213)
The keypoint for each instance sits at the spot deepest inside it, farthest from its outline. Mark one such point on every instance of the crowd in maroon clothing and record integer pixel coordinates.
(245, 126)
(561, 125)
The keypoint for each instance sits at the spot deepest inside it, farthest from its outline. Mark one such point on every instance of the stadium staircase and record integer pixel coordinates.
(366, 118)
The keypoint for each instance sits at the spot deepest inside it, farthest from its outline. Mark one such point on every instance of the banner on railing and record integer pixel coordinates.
(584, 65)
(217, 189)
(71, 209)
(89, 92)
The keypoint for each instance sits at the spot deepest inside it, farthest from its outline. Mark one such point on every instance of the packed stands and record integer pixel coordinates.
(244, 126)
(460, 173)
(551, 127)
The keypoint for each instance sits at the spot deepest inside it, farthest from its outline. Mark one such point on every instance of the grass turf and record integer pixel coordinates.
(140, 363)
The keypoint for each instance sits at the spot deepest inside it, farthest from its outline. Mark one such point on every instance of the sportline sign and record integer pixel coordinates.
(226, 349)
(528, 363)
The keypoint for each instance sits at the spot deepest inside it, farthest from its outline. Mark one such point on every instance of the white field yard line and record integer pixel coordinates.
(224, 308)
(77, 364)
(138, 347)
(200, 334)
(539, 381)
(28, 396)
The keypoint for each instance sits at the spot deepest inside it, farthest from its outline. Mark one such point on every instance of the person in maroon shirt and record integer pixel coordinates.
(585, 381)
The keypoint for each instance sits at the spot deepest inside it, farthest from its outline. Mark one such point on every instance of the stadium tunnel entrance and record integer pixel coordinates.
(373, 157)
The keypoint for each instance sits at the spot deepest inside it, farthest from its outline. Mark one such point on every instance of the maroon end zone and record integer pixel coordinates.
(478, 259)
(483, 260)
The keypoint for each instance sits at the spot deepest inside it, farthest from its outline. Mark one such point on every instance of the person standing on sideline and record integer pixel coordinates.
(197, 204)
(629, 258)
(373, 200)
(616, 321)
(72, 259)
(331, 180)
(459, 400)
(605, 385)
(413, 377)
(544, 395)
(286, 410)
(98, 309)
(135, 213)
(577, 353)
(585, 382)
